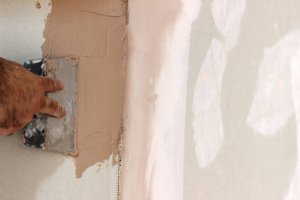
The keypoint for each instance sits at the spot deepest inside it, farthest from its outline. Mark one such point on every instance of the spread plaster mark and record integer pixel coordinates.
(155, 104)
(227, 15)
(207, 121)
(207, 114)
(278, 95)
(81, 29)
(273, 104)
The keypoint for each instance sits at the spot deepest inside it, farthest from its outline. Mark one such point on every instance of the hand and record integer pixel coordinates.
(23, 94)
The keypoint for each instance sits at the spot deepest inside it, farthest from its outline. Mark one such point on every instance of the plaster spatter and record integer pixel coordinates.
(85, 29)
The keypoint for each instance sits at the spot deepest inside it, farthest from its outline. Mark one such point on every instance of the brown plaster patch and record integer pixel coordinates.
(94, 32)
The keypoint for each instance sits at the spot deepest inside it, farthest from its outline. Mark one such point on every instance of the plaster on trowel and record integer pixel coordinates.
(50, 133)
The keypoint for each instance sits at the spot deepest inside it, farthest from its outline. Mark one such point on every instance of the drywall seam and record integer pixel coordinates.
(94, 32)
(158, 38)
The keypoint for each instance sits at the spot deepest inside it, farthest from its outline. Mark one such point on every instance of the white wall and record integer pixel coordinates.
(241, 131)
(154, 116)
(28, 173)
(223, 122)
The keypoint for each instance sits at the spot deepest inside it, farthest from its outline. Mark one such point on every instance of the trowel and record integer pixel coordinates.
(46, 132)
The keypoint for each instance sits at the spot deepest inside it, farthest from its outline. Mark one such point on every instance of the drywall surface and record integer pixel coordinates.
(31, 174)
(93, 31)
(212, 114)
(242, 133)
(20, 20)
(158, 46)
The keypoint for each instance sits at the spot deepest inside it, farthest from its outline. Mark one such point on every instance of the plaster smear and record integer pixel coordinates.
(207, 114)
(155, 102)
(166, 158)
(227, 16)
(207, 121)
(94, 32)
(278, 95)
(273, 102)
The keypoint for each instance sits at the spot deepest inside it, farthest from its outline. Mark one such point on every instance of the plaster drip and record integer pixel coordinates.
(166, 156)
(277, 95)
(207, 114)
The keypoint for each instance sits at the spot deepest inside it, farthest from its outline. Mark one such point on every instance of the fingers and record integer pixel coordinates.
(51, 107)
(52, 85)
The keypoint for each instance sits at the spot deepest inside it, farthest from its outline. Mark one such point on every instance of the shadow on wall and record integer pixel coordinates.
(248, 166)
(24, 168)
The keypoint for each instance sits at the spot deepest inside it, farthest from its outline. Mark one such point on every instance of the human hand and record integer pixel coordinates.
(23, 94)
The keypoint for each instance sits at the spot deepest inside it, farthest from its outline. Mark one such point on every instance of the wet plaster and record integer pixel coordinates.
(94, 32)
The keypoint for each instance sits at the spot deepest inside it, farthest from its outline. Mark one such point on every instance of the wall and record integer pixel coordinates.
(28, 173)
(220, 123)
(241, 121)
(154, 111)
(211, 107)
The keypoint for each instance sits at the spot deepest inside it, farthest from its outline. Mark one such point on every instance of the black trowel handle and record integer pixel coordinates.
(35, 66)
